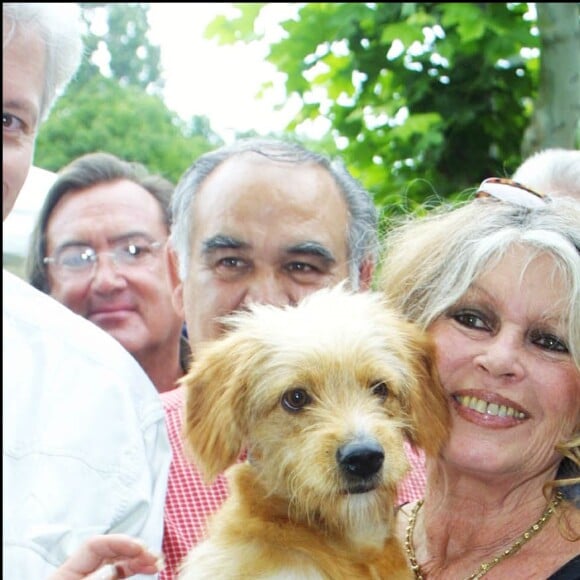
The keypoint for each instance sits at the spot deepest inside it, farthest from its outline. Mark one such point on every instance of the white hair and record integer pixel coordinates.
(431, 262)
(554, 172)
(59, 27)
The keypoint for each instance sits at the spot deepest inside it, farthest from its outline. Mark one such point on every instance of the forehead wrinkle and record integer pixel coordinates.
(553, 316)
(110, 240)
(128, 235)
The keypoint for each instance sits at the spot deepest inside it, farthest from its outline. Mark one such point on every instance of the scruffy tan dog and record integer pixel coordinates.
(322, 395)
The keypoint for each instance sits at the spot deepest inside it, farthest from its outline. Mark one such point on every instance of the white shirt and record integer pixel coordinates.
(85, 444)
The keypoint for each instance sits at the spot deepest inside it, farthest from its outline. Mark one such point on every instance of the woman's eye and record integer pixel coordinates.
(471, 319)
(550, 342)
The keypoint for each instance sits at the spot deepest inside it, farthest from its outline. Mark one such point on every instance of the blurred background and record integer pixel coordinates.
(17, 227)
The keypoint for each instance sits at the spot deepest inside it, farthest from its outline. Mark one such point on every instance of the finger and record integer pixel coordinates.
(107, 547)
(146, 564)
(108, 572)
(123, 555)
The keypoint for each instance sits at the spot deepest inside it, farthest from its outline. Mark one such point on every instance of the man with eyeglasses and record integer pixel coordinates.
(98, 248)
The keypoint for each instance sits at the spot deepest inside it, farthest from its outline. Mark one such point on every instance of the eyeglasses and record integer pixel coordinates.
(81, 259)
(510, 191)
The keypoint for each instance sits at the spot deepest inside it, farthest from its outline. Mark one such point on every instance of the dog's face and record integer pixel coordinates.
(322, 395)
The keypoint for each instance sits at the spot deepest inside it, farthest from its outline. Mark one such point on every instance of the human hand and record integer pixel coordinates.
(109, 557)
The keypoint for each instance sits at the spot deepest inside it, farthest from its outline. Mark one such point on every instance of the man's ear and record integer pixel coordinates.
(366, 272)
(174, 280)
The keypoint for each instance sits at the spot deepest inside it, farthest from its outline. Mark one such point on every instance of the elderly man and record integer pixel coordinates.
(85, 449)
(258, 221)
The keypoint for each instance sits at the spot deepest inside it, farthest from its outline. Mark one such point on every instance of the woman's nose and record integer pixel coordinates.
(501, 355)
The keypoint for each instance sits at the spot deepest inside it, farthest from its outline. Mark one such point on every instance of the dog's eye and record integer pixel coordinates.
(380, 389)
(295, 399)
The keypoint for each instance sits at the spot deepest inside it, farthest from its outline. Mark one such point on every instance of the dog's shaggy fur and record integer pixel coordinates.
(322, 395)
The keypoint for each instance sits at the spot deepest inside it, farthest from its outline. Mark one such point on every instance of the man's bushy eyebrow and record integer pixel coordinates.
(313, 249)
(222, 241)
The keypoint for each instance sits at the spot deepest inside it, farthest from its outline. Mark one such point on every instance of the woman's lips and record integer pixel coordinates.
(488, 410)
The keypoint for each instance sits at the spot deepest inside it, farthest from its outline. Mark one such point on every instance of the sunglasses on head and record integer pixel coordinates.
(511, 192)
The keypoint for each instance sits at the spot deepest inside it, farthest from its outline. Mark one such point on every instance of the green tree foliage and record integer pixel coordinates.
(120, 109)
(101, 115)
(119, 33)
(424, 100)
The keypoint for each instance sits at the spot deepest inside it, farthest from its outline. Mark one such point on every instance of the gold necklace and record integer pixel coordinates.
(486, 566)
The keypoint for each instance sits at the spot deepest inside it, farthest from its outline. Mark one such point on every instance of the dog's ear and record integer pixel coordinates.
(426, 402)
(215, 413)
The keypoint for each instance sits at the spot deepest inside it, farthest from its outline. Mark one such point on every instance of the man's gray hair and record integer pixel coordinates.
(59, 27)
(363, 217)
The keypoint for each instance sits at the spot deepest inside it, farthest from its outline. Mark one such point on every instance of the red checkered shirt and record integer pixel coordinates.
(190, 501)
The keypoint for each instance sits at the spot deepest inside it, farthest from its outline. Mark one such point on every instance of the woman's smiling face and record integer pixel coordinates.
(503, 358)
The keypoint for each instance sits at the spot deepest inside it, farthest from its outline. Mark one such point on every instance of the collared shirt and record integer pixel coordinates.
(85, 445)
(190, 501)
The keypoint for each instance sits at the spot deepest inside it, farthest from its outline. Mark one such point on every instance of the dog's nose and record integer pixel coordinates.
(360, 460)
